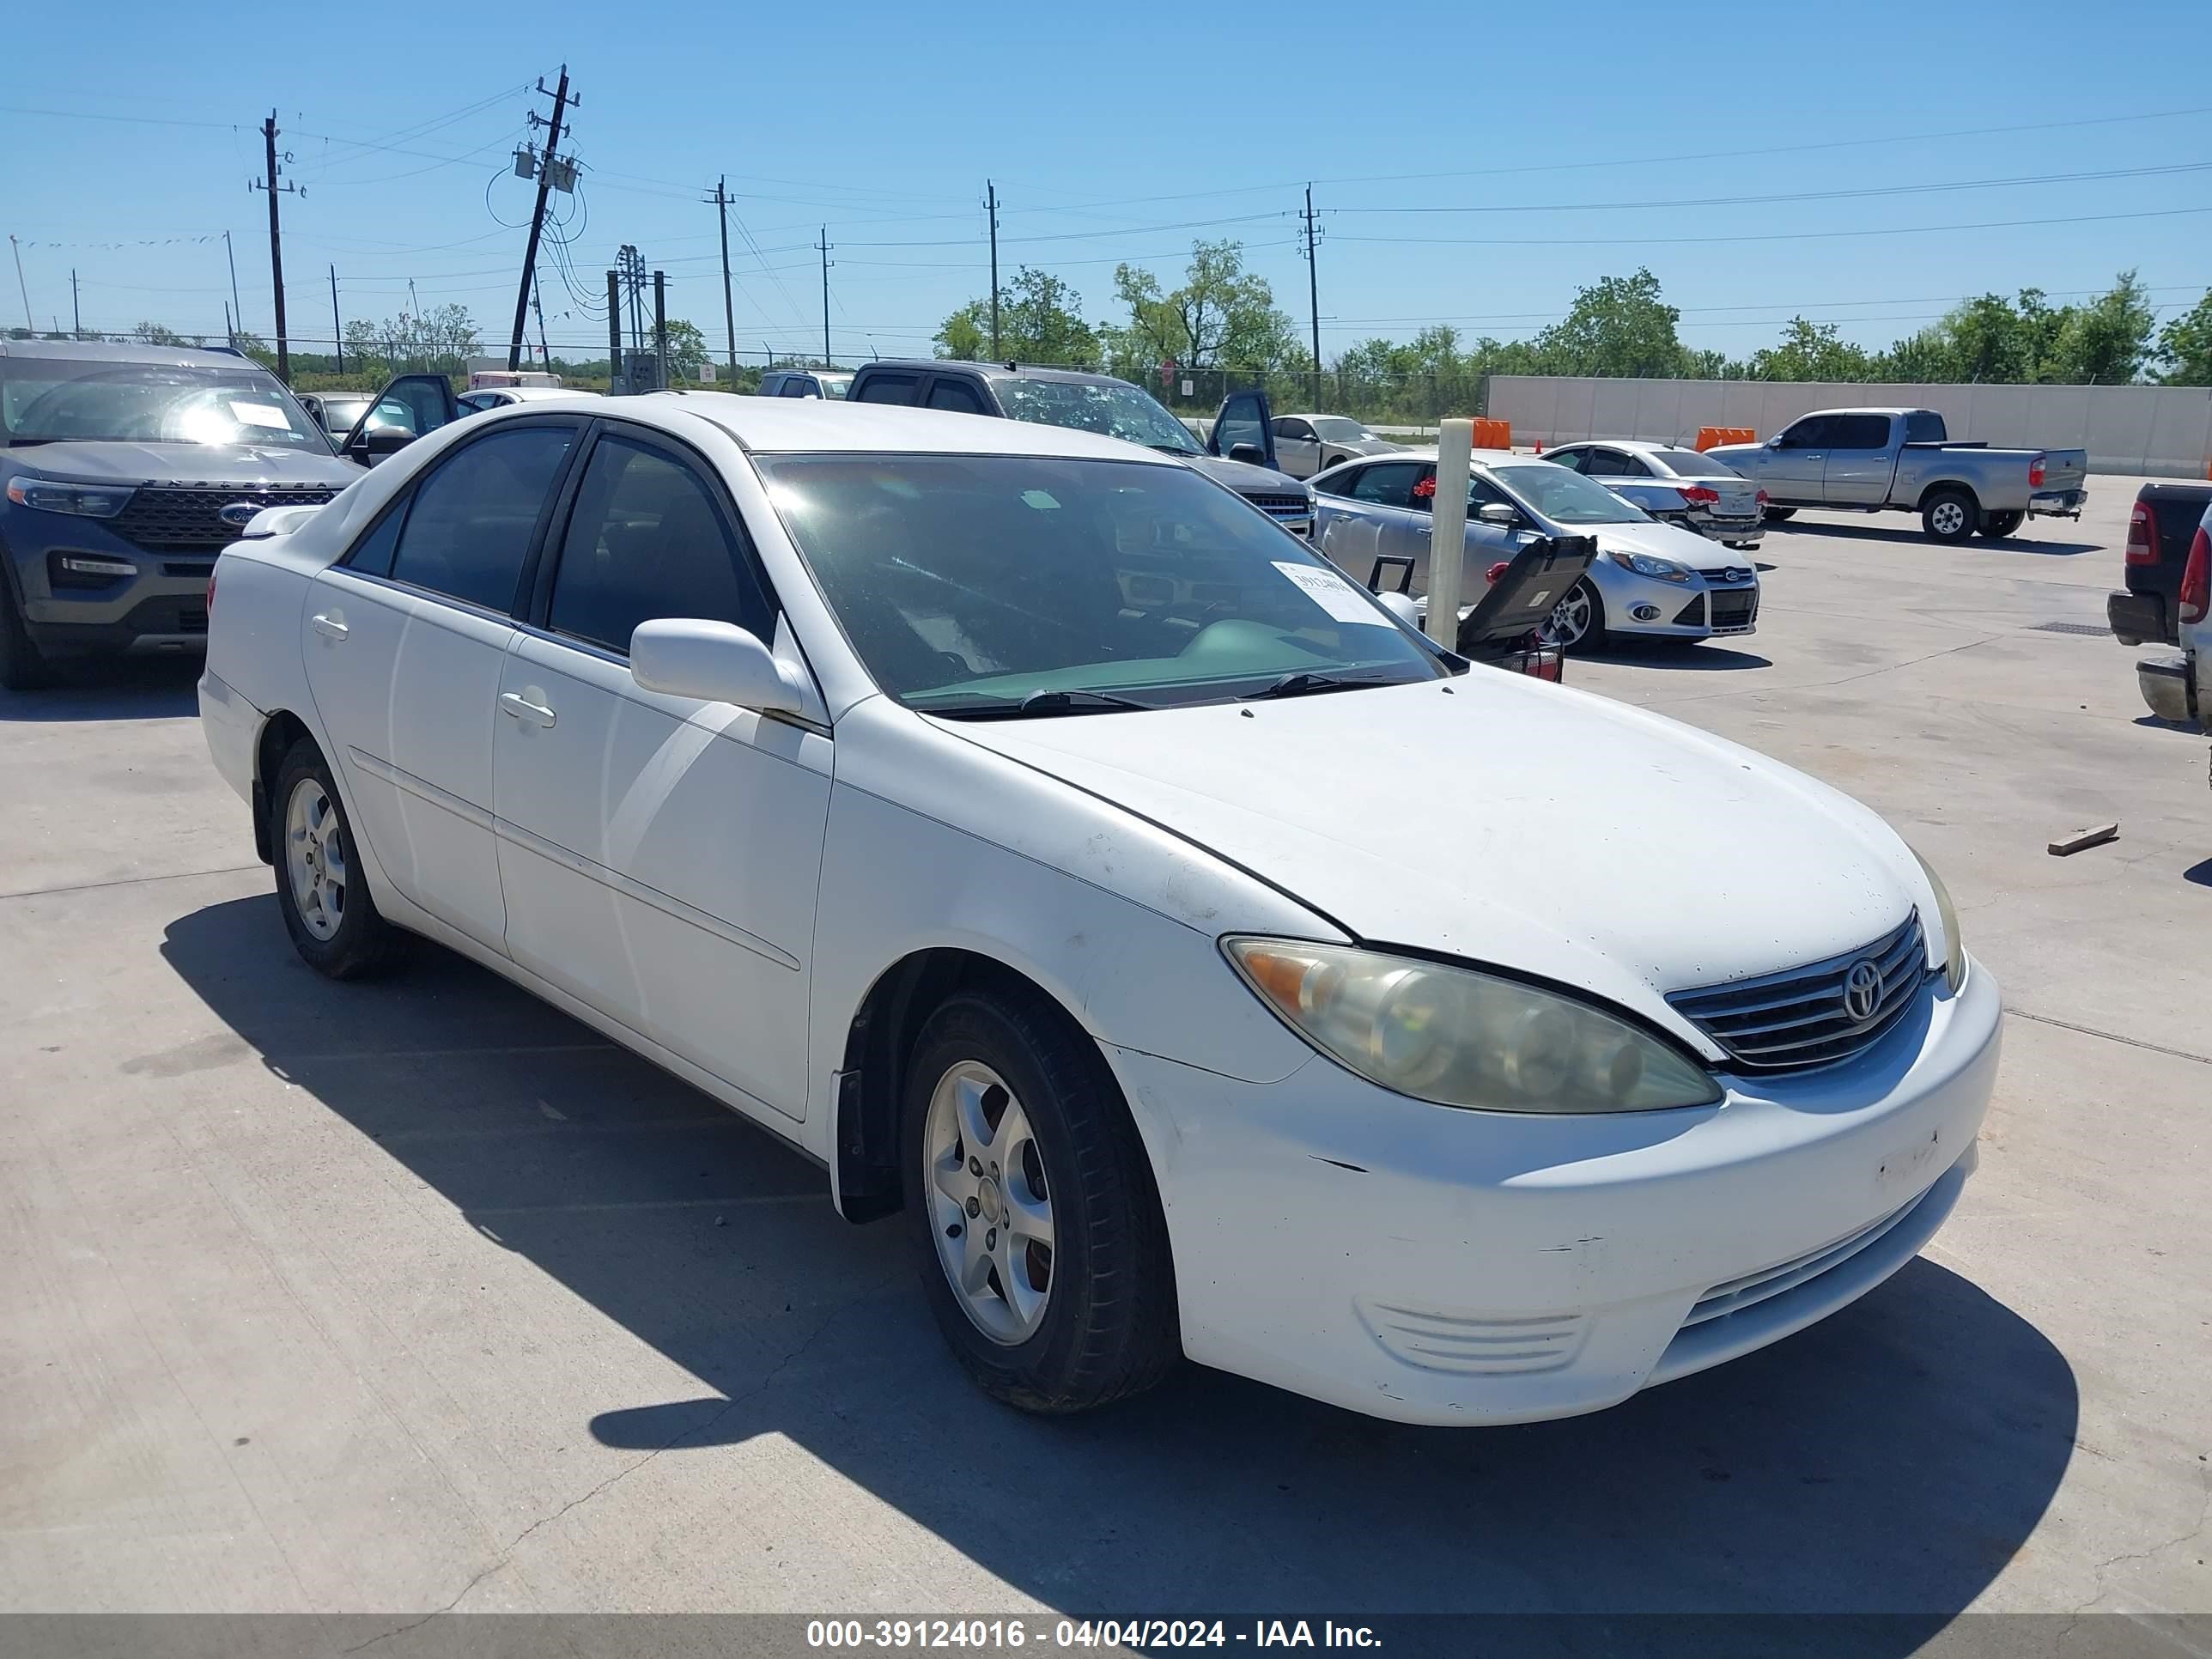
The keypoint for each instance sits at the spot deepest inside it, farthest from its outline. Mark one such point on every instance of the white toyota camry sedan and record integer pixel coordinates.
(1079, 867)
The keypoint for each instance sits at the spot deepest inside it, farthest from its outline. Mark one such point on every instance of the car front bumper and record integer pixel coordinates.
(1648, 609)
(160, 605)
(1435, 1266)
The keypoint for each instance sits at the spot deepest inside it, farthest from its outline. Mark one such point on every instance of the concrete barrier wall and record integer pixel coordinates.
(2138, 430)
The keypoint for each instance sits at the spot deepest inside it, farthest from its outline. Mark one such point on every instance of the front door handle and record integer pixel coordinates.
(514, 703)
(330, 626)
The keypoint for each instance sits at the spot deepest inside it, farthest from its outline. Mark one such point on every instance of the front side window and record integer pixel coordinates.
(75, 400)
(1387, 483)
(967, 584)
(646, 540)
(1111, 408)
(1563, 497)
(889, 389)
(1607, 464)
(1575, 460)
(1814, 432)
(469, 529)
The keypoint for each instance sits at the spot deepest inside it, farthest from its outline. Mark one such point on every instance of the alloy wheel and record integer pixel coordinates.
(315, 858)
(1571, 617)
(990, 1204)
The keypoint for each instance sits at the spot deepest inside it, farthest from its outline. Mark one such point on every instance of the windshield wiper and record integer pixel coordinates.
(1050, 700)
(1170, 449)
(1301, 683)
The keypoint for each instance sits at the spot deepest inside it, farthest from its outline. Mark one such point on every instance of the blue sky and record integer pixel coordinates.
(1472, 164)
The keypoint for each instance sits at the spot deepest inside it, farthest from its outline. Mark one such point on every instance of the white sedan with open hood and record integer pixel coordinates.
(1194, 959)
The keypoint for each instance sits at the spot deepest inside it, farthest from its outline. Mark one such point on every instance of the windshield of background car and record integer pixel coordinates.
(77, 400)
(1339, 430)
(968, 581)
(1114, 411)
(1689, 463)
(1565, 497)
(836, 386)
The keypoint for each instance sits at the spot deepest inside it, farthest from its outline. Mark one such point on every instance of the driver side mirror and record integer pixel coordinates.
(1250, 454)
(713, 661)
(379, 443)
(1499, 514)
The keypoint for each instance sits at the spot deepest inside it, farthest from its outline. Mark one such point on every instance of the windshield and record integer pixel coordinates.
(967, 583)
(1339, 430)
(1114, 409)
(834, 385)
(1689, 463)
(1565, 497)
(72, 399)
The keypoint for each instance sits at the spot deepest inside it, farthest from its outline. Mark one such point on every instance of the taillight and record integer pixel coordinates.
(1762, 498)
(2196, 579)
(1697, 495)
(2035, 473)
(2143, 535)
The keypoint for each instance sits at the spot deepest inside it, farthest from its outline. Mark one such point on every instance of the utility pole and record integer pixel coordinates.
(77, 313)
(823, 247)
(991, 201)
(237, 311)
(660, 324)
(276, 245)
(537, 215)
(615, 379)
(33, 327)
(1313, 292)
(337, 330)
(729, 313)
(537, 300)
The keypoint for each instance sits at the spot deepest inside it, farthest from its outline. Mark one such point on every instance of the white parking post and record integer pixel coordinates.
(1448, 530)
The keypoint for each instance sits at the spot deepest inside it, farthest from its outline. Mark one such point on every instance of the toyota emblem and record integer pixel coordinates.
(238, 514)
(1863, 990)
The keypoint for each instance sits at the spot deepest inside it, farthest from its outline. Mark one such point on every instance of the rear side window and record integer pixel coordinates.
(469, 529)
(1387, 483)
(797, 385)
(1926, 426)
(955, 395)
(1860, 432)
(648, 539)
(887, 389)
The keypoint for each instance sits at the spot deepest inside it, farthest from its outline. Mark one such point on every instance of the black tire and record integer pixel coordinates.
(1997, 525)
(1780, 515)
(23, 666)
(1949, 516)
(1108, 1328)
(362, 942)
(1593, 635)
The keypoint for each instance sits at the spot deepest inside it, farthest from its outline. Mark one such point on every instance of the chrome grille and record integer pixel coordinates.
(1793, 1021)
(177, 519)
(1726, 575)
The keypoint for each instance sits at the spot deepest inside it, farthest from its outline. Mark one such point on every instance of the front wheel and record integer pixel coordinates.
(1577, 621)
(1997, 525)
(1034, 1219)
(1949, 516)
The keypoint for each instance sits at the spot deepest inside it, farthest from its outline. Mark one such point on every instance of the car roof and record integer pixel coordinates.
(822, 425)
(1002, 371)
(533, 394)
(117, 351)
(1428, 453)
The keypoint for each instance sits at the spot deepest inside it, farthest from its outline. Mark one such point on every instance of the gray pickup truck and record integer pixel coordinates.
(1903, 460)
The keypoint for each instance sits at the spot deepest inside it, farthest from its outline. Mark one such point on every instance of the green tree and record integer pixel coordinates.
(2184, 345)
(1040, 321)
(1985, 339)
(155, 334)
(687, 350)
(1619, 326)
(1812, 351)
(2106, 342)
(1223, 316)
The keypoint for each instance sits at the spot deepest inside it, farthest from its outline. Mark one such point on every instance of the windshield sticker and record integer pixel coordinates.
(1332, 593)
(1040, 499)
(259, 415)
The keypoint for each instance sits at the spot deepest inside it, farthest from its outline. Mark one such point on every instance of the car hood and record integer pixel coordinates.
(1367, 446)
(1661, 541)
(1728, 454)
(1245, 478)
(182, 463)
(1510, 821)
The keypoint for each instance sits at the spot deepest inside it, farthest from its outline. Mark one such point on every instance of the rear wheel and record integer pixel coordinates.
(1949, 515)
(1780, 515)
(1577, 621)
(1997, 525)
(1029, 1199)
(23, 666)
(320, 886)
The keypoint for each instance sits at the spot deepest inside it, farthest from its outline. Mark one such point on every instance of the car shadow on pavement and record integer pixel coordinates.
(1891, 1460)
(2199, 873)
(111, 688)
(1673, 655)
(2024, 542)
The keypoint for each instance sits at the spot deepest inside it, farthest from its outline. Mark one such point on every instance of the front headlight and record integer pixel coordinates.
(1660, 570)
(1954, 946)
(86, 500)
(1457, 1037)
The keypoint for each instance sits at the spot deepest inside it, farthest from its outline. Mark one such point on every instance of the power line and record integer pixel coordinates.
(1769, 236)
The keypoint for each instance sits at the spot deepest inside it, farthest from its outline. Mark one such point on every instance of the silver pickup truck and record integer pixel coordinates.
(1903, 460)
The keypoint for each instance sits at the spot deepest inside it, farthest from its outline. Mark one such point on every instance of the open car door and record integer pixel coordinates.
(406, 409)
(1243, 430)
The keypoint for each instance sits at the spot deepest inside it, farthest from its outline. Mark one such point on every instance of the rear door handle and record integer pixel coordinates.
(329, 626)
(522, 709)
